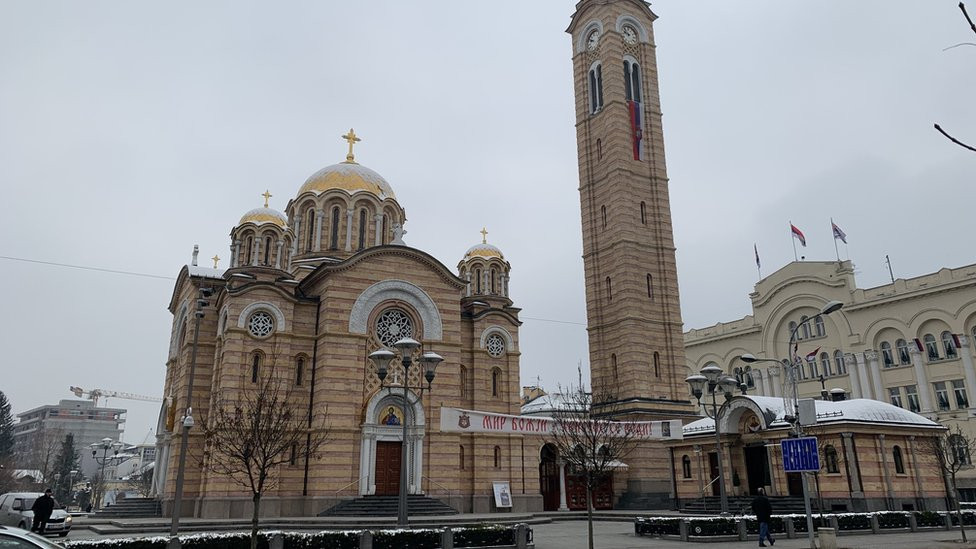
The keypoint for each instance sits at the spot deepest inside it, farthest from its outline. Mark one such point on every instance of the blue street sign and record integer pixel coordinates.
(800, 454)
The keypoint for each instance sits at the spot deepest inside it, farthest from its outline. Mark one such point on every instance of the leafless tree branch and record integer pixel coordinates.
(969, 19)
(953, 139)
(952, 452)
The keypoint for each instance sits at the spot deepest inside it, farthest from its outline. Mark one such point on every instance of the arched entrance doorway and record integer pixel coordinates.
(382, 443)
(549, 477)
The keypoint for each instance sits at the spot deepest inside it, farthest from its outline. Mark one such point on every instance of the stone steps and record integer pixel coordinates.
(386, 506)
(131, 508)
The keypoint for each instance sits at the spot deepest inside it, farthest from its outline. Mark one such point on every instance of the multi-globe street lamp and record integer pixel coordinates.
(710, 381)
(792, 400)
(104, 445)
(429, 360)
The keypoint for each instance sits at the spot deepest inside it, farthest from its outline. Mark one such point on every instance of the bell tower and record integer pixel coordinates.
(633, 312)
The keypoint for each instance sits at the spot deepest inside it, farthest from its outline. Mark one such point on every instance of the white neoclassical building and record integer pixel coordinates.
(907, 343)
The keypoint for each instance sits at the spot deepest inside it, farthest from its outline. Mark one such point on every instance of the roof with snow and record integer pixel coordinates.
(548, 404)
(771, 413)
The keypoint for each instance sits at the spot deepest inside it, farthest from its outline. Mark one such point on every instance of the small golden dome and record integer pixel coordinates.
(350, 177)
(484, 250)
(260, 216)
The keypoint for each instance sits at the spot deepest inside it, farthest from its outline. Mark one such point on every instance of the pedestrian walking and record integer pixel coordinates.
(42, 508)
(764, 511)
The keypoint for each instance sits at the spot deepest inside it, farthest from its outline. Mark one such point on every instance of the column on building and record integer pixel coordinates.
(770, 461)
(757, 378)
(875, 370)
(919, 486)
(924, 392)
(851, 466)
(278, 247)
(862, 376)
(852, 372)
(319, 216)
(889, 487)
(378, 231)
(235, 253)
(256, 251)
(967, 366)
(773, 375)
(562, 486)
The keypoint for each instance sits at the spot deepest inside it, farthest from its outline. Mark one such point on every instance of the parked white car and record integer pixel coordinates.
(14, 537)
(15, 510)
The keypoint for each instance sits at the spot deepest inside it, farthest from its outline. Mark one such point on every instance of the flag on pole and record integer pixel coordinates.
(838, 234)
(813, 354)
(798, 234)
(755, 248)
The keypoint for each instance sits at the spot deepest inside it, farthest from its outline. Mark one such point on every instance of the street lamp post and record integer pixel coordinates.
(712, 380)
(429, 360)
(187, 421)
(792, 401)
(104, 445)
(71, 485)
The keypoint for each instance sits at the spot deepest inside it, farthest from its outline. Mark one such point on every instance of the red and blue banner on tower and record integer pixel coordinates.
(636, 125)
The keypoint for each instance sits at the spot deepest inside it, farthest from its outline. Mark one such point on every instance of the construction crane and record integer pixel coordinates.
(95, 394)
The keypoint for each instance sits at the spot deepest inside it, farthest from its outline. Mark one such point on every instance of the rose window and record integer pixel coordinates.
(260, 324)
(392, 326)
(495, 345)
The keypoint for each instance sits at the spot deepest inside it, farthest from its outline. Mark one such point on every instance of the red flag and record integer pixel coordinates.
(798, 234)
(813, 354)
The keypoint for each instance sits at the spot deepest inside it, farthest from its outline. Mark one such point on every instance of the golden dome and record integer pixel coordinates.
(350, 177)
(260, 216)
(484, 250)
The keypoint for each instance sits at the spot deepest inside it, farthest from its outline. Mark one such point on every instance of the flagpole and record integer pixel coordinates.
(793, 239)
(836, 251)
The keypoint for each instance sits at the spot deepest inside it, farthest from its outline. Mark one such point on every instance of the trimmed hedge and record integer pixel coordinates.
(657, 526)
(484, 536)
(321, 540)
(713, 527)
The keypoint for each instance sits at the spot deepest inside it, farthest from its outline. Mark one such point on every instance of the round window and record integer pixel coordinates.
(392, 326)
(495, 345)
(261, 324)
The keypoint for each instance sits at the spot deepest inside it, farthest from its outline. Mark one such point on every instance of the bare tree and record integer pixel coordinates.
(952, 451)
(142, 482)
(41, 452)
(250, 434)
(972, 26)
(589, 438)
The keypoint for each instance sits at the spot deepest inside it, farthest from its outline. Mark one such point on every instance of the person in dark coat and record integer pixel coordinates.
(42, 508)
(763, 510)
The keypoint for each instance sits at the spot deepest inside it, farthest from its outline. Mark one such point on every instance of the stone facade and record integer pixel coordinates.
(907, 343)
(632, 305)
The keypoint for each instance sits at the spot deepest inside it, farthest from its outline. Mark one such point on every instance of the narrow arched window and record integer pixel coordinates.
(903, 356)
(609, 290)
(599, 149)
(498, 457)
(362, 229)
(792, 327)
(839, 362)
(931, 348)
(299, 371)
(887, 357)
(650, 286)
(463, 380)
(255, 367)
(949, 344)
(383, 239)
(805, 327)
(310, 229)
(477, 276)
(248, 249)
(818, 326)
(830, 457)
(496, 374)
(293, 456)
(643, 208)
(461, 456)
(632, 83)
(596, 88)
(685, 466)
(899, 461)
(960, 450)
(657, 364)
(493, 274)
(334, 236)
(267, 250)
(825, 364)
(603, 211)
(613, 366)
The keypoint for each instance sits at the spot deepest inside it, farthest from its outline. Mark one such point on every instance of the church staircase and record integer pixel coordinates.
(386, 506)
(131, 508)
(742, 505)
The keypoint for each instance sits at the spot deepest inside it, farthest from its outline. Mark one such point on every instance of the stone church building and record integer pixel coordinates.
(312, 290)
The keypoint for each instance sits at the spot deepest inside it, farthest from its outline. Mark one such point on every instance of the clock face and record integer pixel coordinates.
(592, 40)
(630, 35)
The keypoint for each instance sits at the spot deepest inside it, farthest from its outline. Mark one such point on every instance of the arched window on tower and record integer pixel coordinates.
(613, 366)
(657, 364)
(650, 286)
(362, 229)
(643, 213)
(334, 236)
(498, 457)
(609, 290)
(248, 250)
(477, 277)
(632, 83)
(300, 371)
(463, 380)
(267, 250)
(461, 456)
(599, 149)
(255, 366)
(603, 211)
(309, 229)
(596, 88)
(496, 382)
(493, 274)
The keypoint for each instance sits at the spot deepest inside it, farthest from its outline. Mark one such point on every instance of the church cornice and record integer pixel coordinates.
(181, 280)
(494, 311)
(324, 271)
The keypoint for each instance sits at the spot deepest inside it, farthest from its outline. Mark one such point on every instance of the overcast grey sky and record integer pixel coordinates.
(131, 131)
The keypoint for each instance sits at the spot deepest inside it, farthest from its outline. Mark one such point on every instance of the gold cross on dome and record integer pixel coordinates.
(215, 260)
(267, 195)
(484, 235)
(351, 138)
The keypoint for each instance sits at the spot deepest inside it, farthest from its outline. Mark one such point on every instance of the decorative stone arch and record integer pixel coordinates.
(500, 330)
(374, 431)
(399, 290)
(222, 320)
(872, 335)
(734, 409)
(923, 320)
(782, 313)
(625, 19)
(595, 25)
(270, 308)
